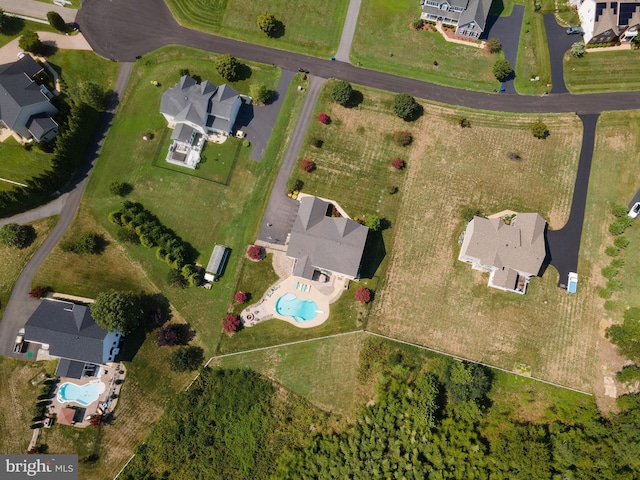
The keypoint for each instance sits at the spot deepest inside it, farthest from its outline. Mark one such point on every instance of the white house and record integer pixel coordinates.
(605, 22)
(468, 16)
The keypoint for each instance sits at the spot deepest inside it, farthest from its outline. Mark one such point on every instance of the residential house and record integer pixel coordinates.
(511, 252)
(605, 22)
(468, 16)
(322, 244)
(25, 108)
(197, 111)
(68, 331)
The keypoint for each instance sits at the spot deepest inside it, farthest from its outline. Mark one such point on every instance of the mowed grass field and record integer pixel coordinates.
(430, 298)
(310, 27)
(533, 55)
(383, 41)
(614, 71)
(19, 165)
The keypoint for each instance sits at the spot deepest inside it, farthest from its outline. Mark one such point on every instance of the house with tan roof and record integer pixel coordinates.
(511, 252)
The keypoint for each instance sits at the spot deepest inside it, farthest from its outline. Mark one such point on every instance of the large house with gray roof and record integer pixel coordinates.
(511, 252)
(468, 16)
(195, 111)
(322, 244)
(25, 108)
(68, 331)
(605, 22)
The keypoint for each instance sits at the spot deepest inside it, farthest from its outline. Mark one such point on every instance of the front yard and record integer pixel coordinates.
(613, 71)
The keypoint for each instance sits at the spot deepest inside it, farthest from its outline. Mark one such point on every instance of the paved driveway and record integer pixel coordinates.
(559, 42)
(564, 244)
(507, 30)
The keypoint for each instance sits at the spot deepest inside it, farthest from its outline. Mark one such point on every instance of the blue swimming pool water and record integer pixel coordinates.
(82, 394)
(289, 305)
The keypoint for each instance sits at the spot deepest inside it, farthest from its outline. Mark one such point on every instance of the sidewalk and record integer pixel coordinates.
(31, 8)
(455, 40)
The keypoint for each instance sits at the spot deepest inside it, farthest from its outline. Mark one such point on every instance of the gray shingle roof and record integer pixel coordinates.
(16, 92)
(218, 260)
(476, 11)
(326, 243)
(69, 329)
(26, 65)
(40, 124)
(69, 368)
(182, 132)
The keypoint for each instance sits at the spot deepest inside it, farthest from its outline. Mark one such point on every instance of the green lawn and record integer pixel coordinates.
(79, 66)
(254, 279)
(17, 26)
(310, 27)
(19, 164)
(533, 55)
(602, 71)
(384, 41)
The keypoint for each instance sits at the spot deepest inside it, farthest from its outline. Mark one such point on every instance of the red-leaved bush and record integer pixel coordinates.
(323, 118)
(231, 323)
(254, 252)
(307, 165)
(397, 163)
(363, 295)
(39, 291)
(241, 297)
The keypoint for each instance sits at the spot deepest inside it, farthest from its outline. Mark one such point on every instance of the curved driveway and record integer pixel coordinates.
(123, 29)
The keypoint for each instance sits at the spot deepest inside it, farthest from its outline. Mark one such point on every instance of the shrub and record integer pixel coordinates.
(186, 358)
(467, 213)
(119, 188)
(30, 42)
(611, 251)
(56, 21)
(228, 67)
(609, 271)
(464, 122)
(621, 242)
(494, 45)
(14, 235)
(392, 189)
(539, 130)
(115, 218)
(418, 24)
(502, 70)
(609, 305)
(341, 92)
(514, 156)
(268, 24)
(146, 242)
(170, 335)
(578, 49)
(324, 118)
(373, 222)
(127, 235)
(363, 295)
(294, 184)
(619, 225)
(93, 95)
(38, 291)
(604, 293)
(617, 262)
(397, 163)
(255, 252)
(316, 142)
(195, 279)
(86, 243)
(614, 285)
(260, 93)
(188, 270)
(402, 138)
(241, 297)
(231, 323)
(307, 165)
(406, 107)
(619, 211)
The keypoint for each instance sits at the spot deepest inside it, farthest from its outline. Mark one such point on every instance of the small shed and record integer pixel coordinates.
(67, 416)
(217, 262)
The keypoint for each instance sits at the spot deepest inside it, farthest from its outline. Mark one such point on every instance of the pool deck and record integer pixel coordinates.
(322, 293)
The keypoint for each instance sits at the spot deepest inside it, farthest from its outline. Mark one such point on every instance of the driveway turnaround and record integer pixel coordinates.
(507, 30)
(559, 42)
(281, 211)
(20, 305)
(124, 29)
(564, 244)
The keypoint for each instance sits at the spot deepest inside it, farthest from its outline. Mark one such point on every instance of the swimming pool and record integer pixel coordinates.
(289, 305)
(82, 394)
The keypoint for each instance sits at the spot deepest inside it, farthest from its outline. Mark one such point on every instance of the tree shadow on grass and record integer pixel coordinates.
(374, 253)
(30, 235)
(244, 72)
(355, 99)
(416, 114)
(13, 26)
(278, 30)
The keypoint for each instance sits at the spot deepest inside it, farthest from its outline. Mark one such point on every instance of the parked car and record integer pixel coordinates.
(635, 210)
(17, 348)
(575, 30)
(21, 54)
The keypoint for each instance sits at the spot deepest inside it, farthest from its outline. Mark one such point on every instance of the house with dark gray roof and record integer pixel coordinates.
(25, 108)
(511, 252)
(322, 244)
(68, 331)
(468, 16)
(197, 111)
(605, 22)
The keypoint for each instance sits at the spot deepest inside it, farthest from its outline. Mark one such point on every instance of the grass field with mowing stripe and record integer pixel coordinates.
(533, 55)
(614, 71)
(19, 164)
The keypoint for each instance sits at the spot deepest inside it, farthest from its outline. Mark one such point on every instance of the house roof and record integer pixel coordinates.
(519, 246)
(67, 416)
(17, 91)
(505, 278)
(477, 11)
(326, 243)
(182, 132)
(40, 124)
(26, 65)
(218, 259)
(69, 368)
(200, 104)
(69, 329)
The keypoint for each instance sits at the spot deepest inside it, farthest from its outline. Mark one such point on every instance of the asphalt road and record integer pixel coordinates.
(507, 30)
(564, 244)
(20, 305)
(123, 29)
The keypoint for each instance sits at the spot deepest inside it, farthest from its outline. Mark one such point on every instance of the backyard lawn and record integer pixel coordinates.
(77, 67)
(430, 298)
(19, 164)
(309, 26)
(602, 71)
(383, 41)
(17, 26)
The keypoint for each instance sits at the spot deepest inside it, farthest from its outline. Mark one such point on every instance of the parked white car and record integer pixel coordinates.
(17, 348)
(635, 210)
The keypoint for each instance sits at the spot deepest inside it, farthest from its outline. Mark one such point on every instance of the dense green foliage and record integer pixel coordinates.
(341, 92)
(30, 42)
(56, 21)
(406, 107)
(260, 93)
(3, 21)
(268, 24)
(86, 243)
(186, 358)
(540, 130)
(93, 95)
(502, 70)
(228, 67)
(229, 425)
(627, 335)
(14, 235)
(120, 311)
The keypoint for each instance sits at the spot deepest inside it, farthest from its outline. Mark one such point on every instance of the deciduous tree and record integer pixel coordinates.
(341, 92)
(228, 67)
(406, 107)
(120, 311)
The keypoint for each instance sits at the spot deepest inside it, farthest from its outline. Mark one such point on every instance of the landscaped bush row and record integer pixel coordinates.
(616, 228)
(138, 221)
(68, 151)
